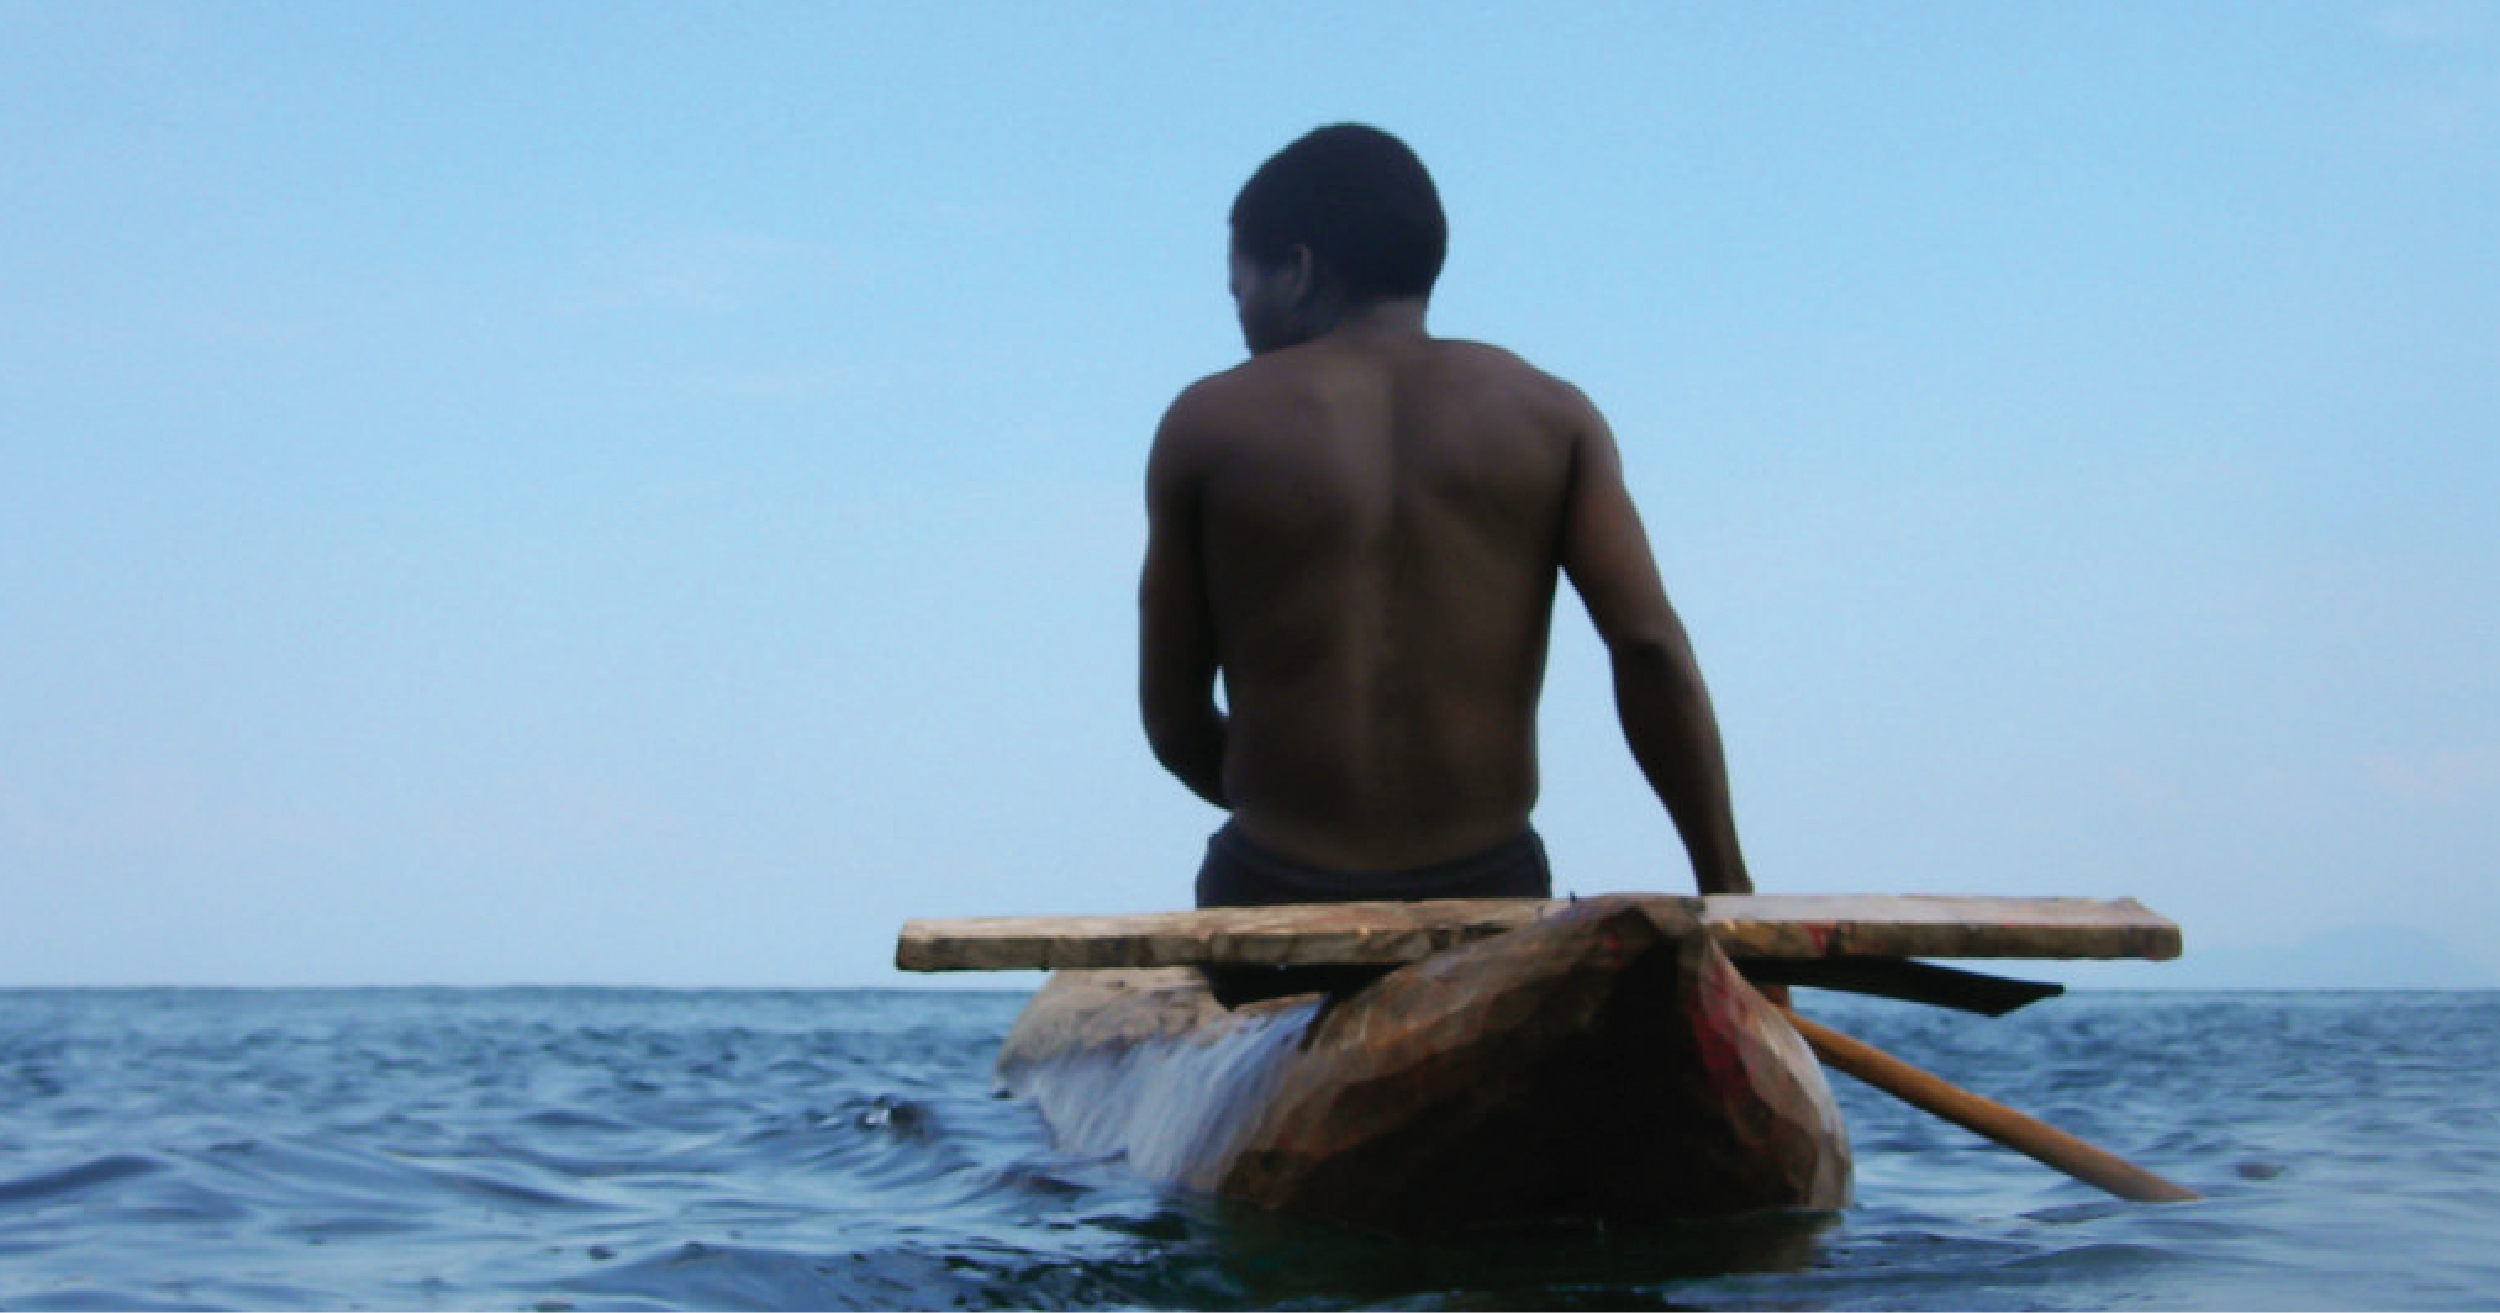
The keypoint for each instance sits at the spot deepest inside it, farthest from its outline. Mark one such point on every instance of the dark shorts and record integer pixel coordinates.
(1240, 873)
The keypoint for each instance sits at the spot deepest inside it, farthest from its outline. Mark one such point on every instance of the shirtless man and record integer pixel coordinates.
(1359, 531)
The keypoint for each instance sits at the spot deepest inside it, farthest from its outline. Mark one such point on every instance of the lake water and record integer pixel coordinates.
(602, 1149)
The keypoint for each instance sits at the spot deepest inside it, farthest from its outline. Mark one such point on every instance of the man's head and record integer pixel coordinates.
(1342, 217)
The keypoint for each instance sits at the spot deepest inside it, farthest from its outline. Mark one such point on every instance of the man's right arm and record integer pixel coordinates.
(1659, 695)
(1177, 658)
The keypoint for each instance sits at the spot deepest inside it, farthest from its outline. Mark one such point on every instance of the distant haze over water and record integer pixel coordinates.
(2362, 957)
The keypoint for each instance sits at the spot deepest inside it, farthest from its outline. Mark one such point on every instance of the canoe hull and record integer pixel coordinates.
(1597, 1066)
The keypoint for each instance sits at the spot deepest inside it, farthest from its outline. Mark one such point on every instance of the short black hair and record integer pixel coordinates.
(1360, 199)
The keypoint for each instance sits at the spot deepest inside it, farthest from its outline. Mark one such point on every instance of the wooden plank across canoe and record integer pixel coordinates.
(1788, 926)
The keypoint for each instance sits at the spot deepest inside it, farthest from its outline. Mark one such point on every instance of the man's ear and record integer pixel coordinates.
(1303, 271)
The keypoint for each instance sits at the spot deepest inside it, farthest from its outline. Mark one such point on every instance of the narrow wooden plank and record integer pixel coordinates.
(1339, 934)
(1349, 934)
(1937, 925)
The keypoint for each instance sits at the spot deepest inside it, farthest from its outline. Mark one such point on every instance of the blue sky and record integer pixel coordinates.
(651, 494)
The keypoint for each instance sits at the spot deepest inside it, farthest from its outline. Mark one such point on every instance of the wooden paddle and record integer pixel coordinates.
(1987, 1117)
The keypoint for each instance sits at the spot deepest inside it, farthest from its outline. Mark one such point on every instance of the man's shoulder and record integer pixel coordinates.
(1209, 417)
(1484, 354)
(1234, 403)
(1500, 361)
(1227, 385)
(1259, 376)
(1551, 396)
(1206, 411)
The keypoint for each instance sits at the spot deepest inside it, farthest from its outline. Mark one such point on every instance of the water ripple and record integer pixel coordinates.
(644, 1149)
(68, 1182)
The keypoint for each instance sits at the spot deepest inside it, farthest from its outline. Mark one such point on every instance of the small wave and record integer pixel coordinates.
(46, 1186)
(882, 1139)
(574, 1119)
(2098, 1259)
(486, 1186)
(81, 1300)
(1033, 1182)
(696, 1275)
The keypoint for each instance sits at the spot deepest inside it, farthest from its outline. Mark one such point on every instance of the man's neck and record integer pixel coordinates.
(1381, 320)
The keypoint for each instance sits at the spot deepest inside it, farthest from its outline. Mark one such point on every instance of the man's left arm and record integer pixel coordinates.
(1177, 658)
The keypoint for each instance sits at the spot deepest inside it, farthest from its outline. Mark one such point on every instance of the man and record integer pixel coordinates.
(1359, 530)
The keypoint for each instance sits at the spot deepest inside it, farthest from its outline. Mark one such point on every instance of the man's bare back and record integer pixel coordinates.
(1359, 531)
(1378, 527)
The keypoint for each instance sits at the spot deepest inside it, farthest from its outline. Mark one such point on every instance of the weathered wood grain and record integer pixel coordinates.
(1351, 934)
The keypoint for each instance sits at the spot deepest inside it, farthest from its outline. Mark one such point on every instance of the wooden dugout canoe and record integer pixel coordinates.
(1606, 1064)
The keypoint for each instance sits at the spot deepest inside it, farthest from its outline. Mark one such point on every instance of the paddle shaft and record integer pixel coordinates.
(1988, 1118)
